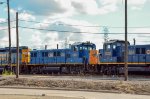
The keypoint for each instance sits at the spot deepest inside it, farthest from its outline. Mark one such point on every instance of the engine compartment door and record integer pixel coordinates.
(93, 57)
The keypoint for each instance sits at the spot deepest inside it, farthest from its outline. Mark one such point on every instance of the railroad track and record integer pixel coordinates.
(89, 77)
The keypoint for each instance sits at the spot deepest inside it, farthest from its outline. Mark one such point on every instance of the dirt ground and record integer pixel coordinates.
(132, 87)
(33, 97)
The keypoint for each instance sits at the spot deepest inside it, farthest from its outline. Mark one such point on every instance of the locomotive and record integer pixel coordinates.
(24, 54)
(112, 57)
(81, 57)
(75, 59)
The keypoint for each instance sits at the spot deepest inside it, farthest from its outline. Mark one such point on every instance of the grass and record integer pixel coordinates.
(7, 72)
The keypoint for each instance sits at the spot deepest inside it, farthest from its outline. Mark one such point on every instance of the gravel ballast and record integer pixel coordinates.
(132, 87)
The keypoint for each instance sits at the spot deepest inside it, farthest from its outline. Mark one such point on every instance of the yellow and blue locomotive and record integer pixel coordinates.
(80, 57)
(24, 54)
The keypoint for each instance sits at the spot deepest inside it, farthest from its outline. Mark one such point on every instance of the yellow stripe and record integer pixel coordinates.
(124, 63)
(7, 64)
(54, 64)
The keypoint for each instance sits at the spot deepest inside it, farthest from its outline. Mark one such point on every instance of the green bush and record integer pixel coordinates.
(7, 72)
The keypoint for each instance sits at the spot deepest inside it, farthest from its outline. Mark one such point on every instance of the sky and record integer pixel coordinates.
(73, 21)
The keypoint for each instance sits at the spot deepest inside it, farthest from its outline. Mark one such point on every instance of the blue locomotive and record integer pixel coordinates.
(112, 57)
(74, 59)
(81, 57)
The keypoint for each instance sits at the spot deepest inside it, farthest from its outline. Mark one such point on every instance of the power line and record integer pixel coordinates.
(62, 30)
(3, 22)
(2, 2)
(82, 25)
(6, 28)
(7, 22)
(76, 32)
(33, 21)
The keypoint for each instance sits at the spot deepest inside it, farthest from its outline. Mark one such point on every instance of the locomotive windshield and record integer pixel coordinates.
(83, 46)
(87, 48)
(112, 44)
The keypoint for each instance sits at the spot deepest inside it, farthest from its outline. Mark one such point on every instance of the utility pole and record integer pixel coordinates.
(9, 33)
(17, 45)
(126, 41)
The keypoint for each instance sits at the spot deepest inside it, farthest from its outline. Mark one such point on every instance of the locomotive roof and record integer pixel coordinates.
(83, 43)
(2, 49)
(113, 41)
(43, 50)
(146, 45)
(21, 47)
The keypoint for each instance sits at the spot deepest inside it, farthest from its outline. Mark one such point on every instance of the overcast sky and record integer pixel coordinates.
(74, 15)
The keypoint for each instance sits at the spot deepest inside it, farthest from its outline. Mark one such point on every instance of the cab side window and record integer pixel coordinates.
(114, 46)
(137, 50)
(35, 54)
(46, 54)
(80, 48)
(75, 48)
(107, 47)
(143, 51)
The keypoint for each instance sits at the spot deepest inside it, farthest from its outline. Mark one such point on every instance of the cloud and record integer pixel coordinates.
(46, 7)
(137, 4)
(107, 2)
(134, 4)
(66, 7)
(23, 15)
(2, 34)
(2, 28)
(52, 38)
(2, 20)
(140, 37)
(87, 7)
(141, 30)
(61, 11)
(26, 16)
(93, 7)
(4, 38)
(35, 40)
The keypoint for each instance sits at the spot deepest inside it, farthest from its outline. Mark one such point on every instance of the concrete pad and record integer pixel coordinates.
(70, 94)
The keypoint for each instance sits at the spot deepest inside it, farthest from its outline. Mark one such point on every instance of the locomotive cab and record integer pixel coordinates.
(114, 51)
(87, 51)
(24, 55)
(80, 46)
